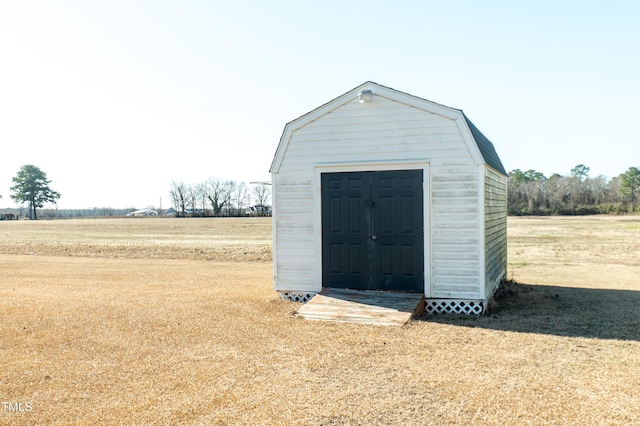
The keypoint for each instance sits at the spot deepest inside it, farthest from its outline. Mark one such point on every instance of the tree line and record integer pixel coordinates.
(217, 197)
(528, 193)
(532, 193)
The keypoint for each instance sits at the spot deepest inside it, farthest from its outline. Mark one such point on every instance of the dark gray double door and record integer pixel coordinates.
(372, 230)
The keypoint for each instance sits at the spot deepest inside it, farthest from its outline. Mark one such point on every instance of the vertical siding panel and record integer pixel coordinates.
(495, 202)
(456, 239)
(295, 260)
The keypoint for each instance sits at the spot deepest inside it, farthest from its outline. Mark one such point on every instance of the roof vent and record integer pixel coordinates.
(365, 96)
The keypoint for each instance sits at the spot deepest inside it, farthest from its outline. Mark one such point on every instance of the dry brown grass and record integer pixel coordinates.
(221, 239)
(114, 337)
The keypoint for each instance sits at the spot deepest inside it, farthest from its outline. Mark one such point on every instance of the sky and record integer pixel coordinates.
(115, 100)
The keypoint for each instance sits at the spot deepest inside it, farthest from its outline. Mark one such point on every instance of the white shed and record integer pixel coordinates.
(381, 190)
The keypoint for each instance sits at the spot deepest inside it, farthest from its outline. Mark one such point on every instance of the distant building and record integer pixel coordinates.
(142, 213)
(259, 211)
(8, 216)
(194, 211)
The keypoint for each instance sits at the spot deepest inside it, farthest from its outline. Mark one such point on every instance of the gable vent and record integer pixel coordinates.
(365, 96)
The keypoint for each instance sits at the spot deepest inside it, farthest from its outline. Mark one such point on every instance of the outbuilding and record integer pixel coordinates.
(385, 191)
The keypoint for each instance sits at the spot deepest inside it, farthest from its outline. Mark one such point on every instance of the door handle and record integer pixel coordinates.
(374, 237)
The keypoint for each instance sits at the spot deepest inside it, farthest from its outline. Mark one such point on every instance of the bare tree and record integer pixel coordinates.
(262, 194)
(240, 197)
(614, 190)
(179, 197)
(558, 193)
(599, 188)
(194, 195)
(218, 193)
(202, 194)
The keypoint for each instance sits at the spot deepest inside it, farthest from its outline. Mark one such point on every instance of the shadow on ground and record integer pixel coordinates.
(560, 311)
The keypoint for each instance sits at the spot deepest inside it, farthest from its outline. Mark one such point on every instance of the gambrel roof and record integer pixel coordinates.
(486, 148)
(481, 147)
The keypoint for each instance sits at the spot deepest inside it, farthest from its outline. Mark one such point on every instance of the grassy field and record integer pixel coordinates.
(234, 239)
(169, 321)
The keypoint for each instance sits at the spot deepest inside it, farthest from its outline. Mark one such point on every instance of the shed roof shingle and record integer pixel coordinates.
(486, 148)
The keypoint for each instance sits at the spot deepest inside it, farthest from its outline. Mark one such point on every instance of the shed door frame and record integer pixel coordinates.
(375, 167)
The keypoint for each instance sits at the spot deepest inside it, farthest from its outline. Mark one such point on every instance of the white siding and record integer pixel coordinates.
(384, 133)
(377, 131)
(455, 236)
(495, 206)
(296, 264)
(381, 131)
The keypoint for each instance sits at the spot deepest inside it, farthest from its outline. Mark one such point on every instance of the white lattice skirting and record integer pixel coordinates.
(451, 306)
(296, 296)
(432, 306)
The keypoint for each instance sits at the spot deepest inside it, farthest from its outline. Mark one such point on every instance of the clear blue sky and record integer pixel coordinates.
(116, 99)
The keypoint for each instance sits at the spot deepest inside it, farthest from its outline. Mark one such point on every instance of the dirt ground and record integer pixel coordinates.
(168, 321)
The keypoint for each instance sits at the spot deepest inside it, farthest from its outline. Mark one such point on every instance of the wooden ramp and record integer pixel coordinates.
(364, 307)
